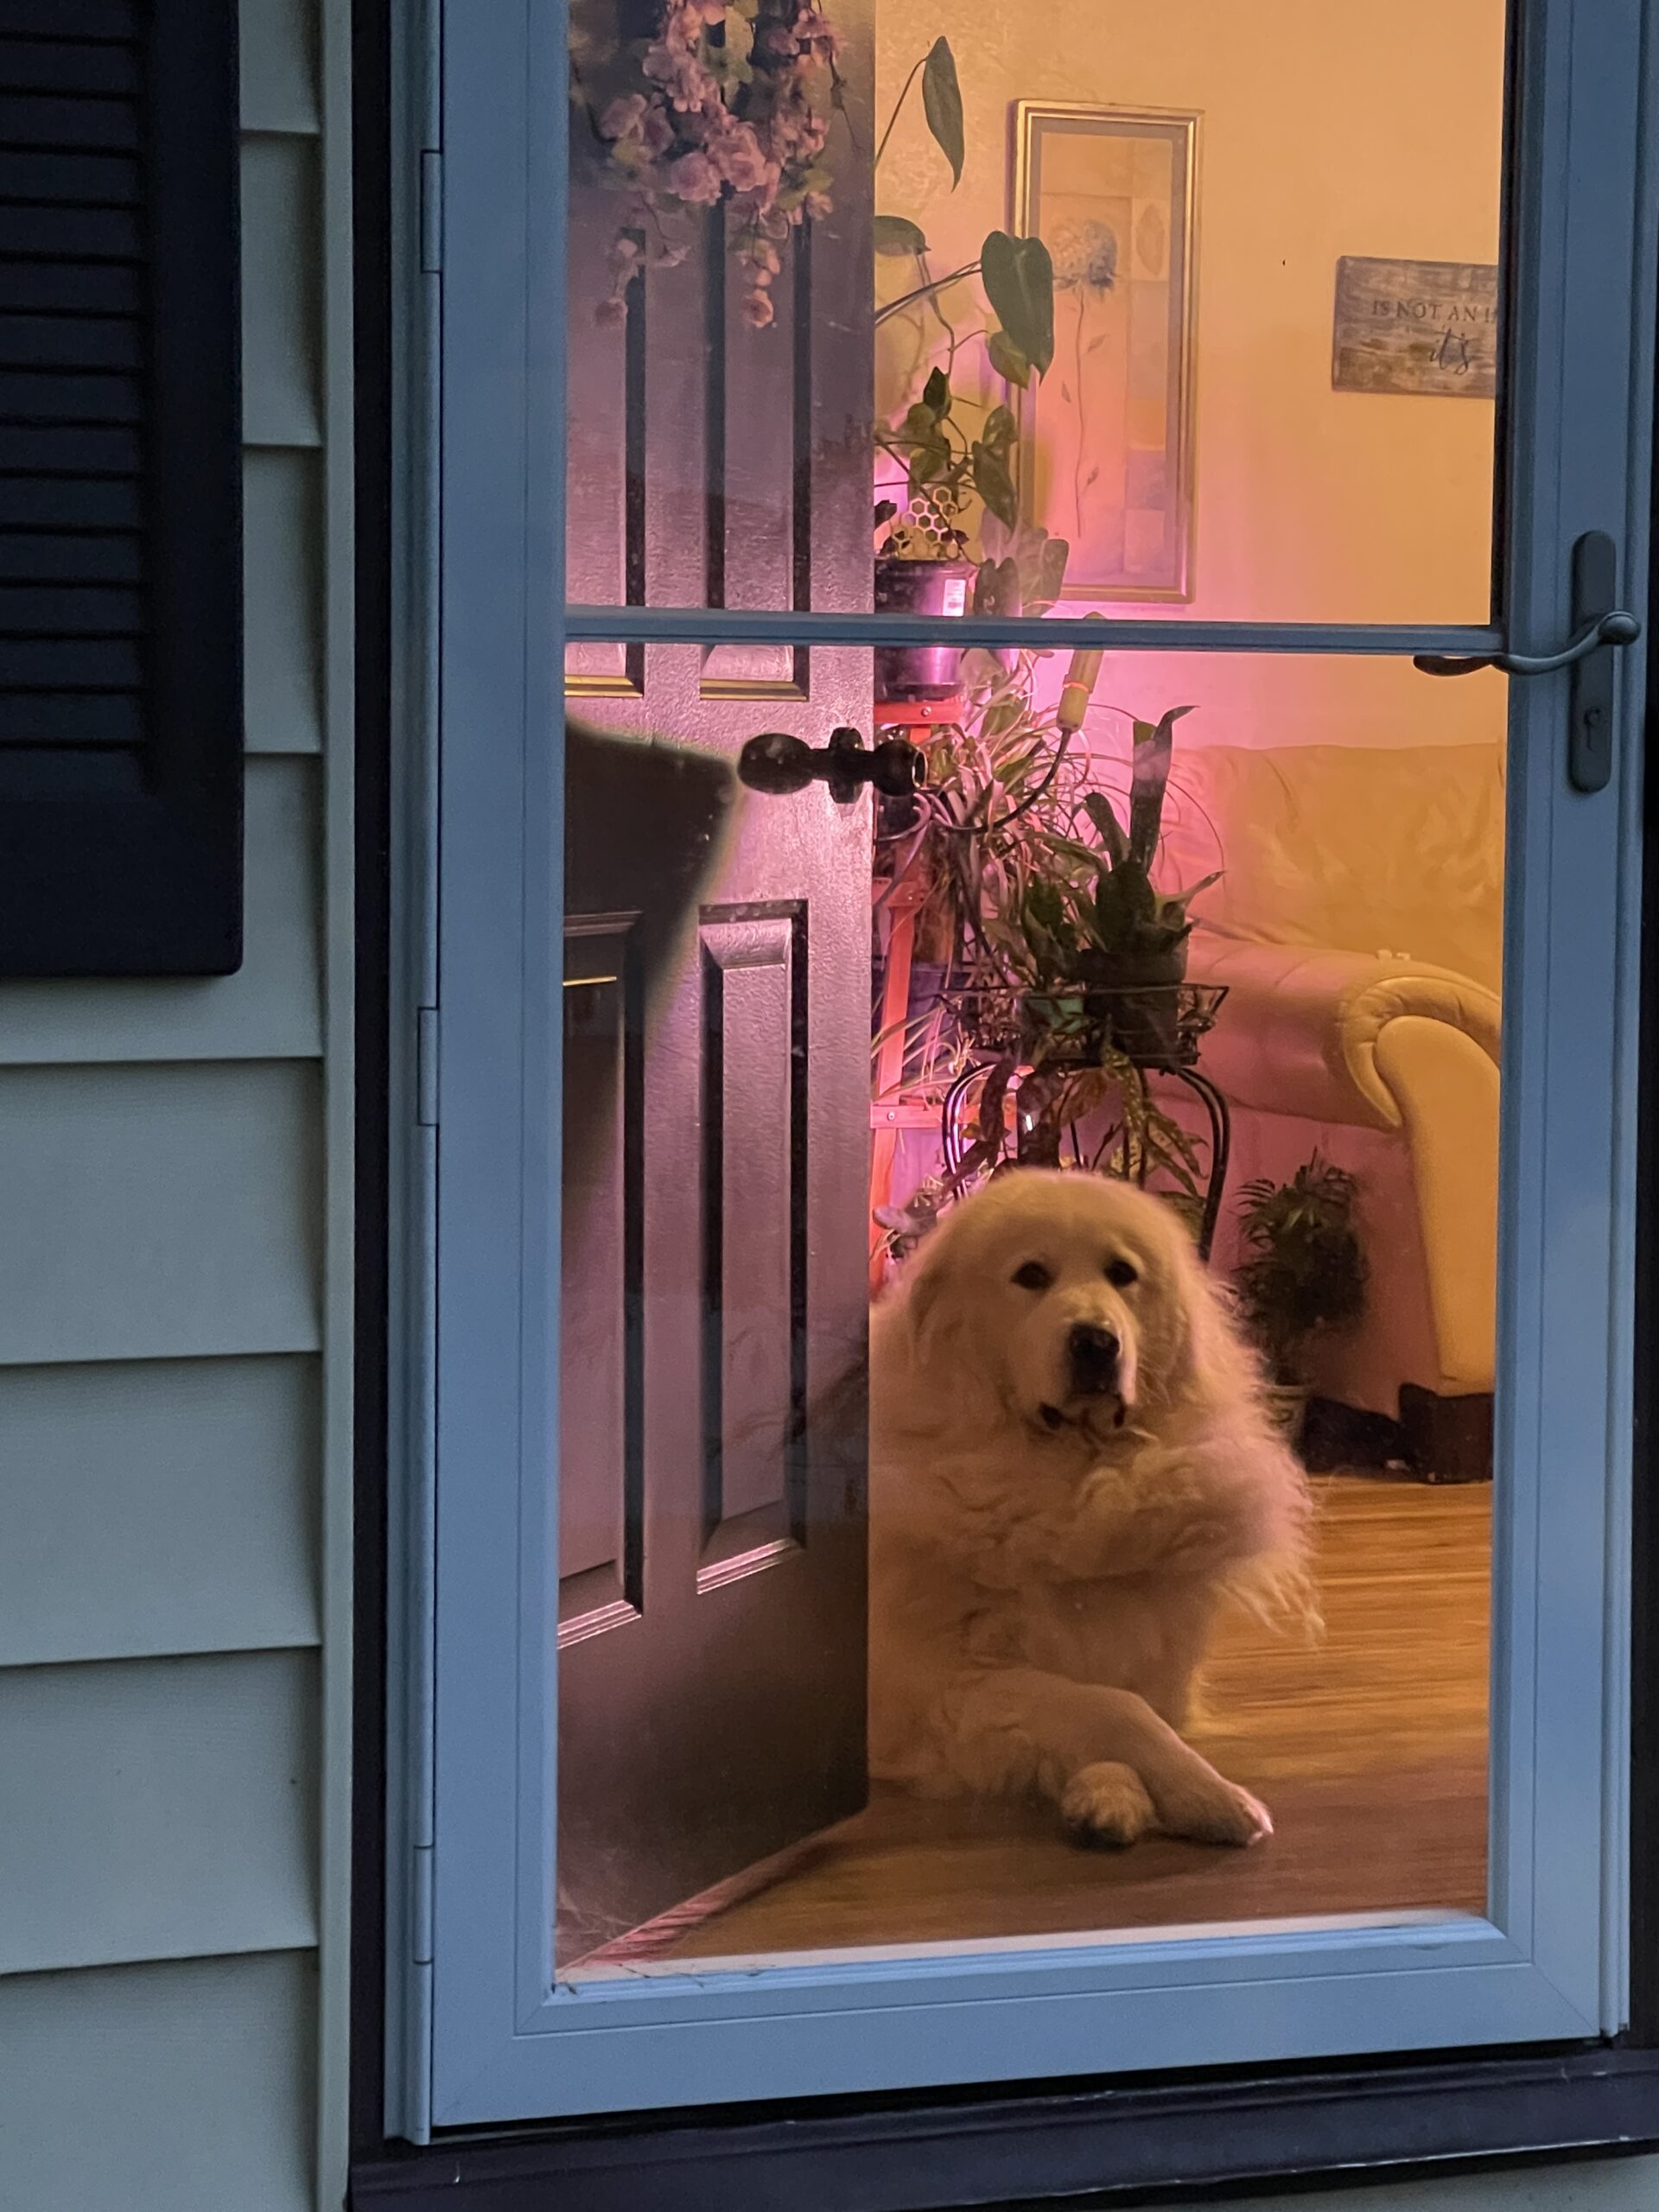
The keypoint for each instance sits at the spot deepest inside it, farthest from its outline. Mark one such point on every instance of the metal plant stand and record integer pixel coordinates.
(1157, 1030)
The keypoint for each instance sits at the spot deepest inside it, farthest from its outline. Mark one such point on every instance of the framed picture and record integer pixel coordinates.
(1106, 438)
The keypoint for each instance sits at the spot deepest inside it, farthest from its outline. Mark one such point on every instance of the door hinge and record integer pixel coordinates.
(420, 1914)
(431, 212)
(426, 1066)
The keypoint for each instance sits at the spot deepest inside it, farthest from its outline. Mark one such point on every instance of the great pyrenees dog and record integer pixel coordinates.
(1070, 1470)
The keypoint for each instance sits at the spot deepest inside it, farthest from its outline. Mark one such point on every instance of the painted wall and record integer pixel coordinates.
(1326, 131)
(174, 1407)
(1323, 131)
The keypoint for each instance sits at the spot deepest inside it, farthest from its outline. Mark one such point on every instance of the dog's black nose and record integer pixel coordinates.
(1093, 1352)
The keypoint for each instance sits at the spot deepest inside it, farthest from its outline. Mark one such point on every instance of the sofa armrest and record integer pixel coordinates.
(1298, 1031)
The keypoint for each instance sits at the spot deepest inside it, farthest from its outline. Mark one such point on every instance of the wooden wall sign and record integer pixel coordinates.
(1415, 327)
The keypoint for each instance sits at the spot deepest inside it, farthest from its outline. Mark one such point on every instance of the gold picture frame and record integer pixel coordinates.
(1106, 447)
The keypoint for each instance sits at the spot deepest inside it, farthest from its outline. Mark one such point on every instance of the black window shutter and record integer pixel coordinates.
(121, 734)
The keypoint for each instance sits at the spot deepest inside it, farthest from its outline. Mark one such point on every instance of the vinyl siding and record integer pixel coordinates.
(281, 496)
(186, 2087)
(166, 1442)
(92, 1567)
(201, 1772)
(150, 1211)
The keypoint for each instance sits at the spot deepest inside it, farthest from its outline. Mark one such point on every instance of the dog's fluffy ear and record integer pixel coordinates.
(1211, 1365)
(928, 1303)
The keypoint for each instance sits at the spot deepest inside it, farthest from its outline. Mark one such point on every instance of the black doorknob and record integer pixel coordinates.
(778, 763)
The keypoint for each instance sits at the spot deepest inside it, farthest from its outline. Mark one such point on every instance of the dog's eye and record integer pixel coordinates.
(1120, 1273)
(1032, 1276)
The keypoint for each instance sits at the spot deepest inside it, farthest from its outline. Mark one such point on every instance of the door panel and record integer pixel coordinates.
(757, 1062)
(712, 1539)
(712, 1576)
(601, 1443)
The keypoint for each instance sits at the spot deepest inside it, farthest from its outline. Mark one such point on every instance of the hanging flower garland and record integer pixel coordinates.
(726, 104)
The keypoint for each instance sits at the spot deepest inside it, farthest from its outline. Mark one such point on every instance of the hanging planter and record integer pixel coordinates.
(723, 107)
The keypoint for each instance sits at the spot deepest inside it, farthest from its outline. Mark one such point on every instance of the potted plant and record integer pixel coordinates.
(1305, 1275)
(1094, 923)
(953, 458)
(1033, 885)
(998, 778)
(1061, 962)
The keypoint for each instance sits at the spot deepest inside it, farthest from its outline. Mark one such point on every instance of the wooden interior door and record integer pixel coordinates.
(712, 1545)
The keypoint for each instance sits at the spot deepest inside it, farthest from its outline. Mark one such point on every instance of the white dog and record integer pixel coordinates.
(1070, 1467)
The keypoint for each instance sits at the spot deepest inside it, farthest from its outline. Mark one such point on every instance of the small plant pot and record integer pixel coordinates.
(1287, 1404)
(903, 673)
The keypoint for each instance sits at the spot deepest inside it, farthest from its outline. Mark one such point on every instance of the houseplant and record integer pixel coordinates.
(1035, 877)
(1305, 1275)
(1089, 924)
(956, 537)
(1060, 959)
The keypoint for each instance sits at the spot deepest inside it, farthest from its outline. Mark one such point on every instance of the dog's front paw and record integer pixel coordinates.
(1210, 1810)
(1106, 1805)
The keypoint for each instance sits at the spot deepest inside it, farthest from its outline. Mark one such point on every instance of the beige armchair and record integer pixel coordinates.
(1358, 929)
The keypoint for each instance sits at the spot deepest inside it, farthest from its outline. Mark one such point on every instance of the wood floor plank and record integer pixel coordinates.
(1370, 1749)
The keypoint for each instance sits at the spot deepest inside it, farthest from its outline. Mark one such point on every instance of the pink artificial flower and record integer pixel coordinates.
(656, 132)
(760, 255)
(739, 157)
(610, 312)
(757, 309)
(689, 87)
(694, 179)
(624, 117)
(816, 205)
(817, 33)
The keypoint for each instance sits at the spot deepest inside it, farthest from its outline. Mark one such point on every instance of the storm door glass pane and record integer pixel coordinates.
(870, 306)
(1142, 1066)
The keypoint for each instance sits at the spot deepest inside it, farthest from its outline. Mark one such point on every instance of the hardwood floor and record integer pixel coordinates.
(1370, 1751)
